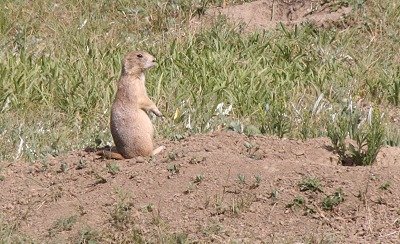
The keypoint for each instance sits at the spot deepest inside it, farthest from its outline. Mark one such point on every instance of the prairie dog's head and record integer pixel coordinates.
(137, 62)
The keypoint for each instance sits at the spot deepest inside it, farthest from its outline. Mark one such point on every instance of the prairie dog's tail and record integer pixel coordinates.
(114, 155)
(110, 155)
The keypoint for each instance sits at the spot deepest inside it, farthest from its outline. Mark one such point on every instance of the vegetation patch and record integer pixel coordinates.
(58, 79)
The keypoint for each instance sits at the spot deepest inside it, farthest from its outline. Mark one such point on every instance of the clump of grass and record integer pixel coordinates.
(277, 115)
(148, 208)
(257, 182)
(87, 235)
(112, 168)
(100, 179)
(199, 178)
(190, 188)
(121, 213)
(251, 130)
(258, 179)
(386, 185)
(274, 195)
(237, 205)
(218, 204)
(329, 202)
(241, 179)
(213, 228)
(64, 167)
(2, 177)
(10, 232)
(63, 224)
(368, 135)
(172, 155)
(173, 169)
(310, 184)
(196, 159)
(192, 184)
(81, 165)
(180, 237)
(297, 202)
(251, 150)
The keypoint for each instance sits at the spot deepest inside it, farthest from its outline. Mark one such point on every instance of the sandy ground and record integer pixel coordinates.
(218, 187)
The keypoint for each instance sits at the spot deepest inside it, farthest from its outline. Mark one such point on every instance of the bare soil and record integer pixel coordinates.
(217, 187)
(267, 14)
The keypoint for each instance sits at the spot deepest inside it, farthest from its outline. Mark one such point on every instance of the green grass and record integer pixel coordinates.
(310, 184)
(10, 232)
(368, 136)
(297, 202)
(59, 63)
(63, 224)
(334, 199)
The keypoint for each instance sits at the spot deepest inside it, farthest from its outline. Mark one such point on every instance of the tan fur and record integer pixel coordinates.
(110, 155)
(130, 125)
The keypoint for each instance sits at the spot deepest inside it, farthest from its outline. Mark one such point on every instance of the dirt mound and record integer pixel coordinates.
(266, 14)
(213, 187)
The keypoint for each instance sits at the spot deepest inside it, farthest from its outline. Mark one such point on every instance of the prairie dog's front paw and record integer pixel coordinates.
(157, 112)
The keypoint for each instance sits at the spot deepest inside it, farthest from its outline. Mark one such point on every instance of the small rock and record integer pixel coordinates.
(10, 206)
(140, 159)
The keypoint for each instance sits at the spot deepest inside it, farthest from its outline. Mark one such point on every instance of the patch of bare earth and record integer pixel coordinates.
(211, 187)
(267, 14)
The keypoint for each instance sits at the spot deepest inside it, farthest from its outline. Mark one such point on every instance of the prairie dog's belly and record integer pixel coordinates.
(137, 122)
(132, 132)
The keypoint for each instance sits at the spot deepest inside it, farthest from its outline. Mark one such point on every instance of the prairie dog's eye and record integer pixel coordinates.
(139, 56)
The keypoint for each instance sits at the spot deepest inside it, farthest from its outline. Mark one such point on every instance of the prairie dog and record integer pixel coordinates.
(130, 125)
